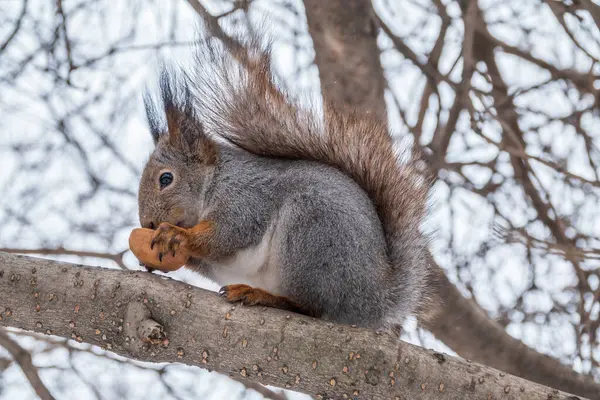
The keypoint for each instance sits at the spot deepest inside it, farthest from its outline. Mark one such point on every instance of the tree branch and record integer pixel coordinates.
(468, 330)
(23, 358)
(16, 27)
(156, 319)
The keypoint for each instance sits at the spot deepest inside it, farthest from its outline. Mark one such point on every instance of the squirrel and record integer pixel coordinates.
(299, 208)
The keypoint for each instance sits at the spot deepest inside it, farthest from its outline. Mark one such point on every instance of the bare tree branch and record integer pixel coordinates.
(23, 358)
(151, 318)
(16, 27)
(469, 331)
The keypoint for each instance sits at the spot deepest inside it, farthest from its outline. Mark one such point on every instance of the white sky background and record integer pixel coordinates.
(63, 206)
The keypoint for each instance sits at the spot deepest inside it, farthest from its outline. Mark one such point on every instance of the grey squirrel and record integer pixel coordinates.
(282, 205)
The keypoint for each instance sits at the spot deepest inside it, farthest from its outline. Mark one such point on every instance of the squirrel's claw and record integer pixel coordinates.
(237, 292)
(168, 238)
(174, 243)
(226, 291)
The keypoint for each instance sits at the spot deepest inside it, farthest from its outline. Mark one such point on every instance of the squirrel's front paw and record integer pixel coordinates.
(168, 238)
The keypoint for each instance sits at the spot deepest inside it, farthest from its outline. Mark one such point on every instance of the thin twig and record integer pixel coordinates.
(23, 358)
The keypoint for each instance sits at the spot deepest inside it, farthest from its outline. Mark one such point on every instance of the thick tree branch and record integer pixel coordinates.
(156, 319)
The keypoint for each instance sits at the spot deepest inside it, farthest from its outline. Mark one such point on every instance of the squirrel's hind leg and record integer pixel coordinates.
(249, 295)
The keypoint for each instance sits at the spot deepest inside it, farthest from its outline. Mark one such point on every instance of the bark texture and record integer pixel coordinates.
(157, 319)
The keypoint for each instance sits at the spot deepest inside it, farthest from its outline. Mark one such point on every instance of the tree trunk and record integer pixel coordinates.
(153, 318)
(345, 41)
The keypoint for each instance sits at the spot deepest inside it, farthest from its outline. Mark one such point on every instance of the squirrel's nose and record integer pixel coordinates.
(148, 224)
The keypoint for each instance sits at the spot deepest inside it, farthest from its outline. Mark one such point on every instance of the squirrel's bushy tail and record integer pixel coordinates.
(240, 102)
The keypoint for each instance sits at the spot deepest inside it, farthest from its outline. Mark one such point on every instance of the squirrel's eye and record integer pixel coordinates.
(165, 179)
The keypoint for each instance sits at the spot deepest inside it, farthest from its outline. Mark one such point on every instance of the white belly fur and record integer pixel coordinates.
(254, 266)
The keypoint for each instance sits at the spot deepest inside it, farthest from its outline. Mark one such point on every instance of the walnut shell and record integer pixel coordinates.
(139, 243)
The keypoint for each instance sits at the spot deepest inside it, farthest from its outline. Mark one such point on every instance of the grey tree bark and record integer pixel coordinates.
(157, 319)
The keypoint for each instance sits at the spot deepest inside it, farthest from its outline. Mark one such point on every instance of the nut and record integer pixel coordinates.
(139, 243)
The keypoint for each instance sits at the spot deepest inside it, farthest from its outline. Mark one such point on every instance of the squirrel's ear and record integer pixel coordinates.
(183, 131)
(208, 150)
(186, 133)
(153, 118)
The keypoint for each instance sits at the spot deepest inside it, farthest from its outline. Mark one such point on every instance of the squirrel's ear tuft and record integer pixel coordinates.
(184, 130)
(154, 120)
(172, 107)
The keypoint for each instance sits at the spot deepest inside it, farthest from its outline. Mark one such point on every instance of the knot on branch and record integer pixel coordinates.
(140, 328)
(150, 331)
